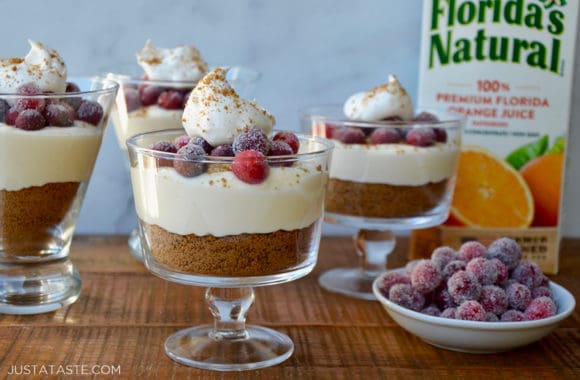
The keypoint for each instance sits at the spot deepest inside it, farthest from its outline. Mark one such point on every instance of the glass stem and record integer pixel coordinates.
(229, 307)
(373, 247)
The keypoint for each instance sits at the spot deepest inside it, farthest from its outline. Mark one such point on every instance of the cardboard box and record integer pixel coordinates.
(507, 65)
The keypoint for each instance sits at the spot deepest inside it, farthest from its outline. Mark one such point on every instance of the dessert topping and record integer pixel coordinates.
(182, 63)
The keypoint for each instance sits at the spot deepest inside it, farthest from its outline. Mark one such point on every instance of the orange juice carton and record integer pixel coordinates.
(507, 65)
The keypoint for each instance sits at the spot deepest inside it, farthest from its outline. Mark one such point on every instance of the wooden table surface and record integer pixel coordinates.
(124, 315)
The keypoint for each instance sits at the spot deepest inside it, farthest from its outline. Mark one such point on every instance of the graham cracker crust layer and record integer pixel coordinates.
(233, 255)
(375, 200)
(29, 216)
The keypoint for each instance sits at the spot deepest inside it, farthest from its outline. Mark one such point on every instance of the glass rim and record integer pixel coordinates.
(455, 120)
(131, 78)
(110, 86)
(132, 144)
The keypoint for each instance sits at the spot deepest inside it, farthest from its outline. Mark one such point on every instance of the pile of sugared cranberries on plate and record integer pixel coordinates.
(34, 113)
(148, 94)
(475, 283)
(418, 135)
(252, 151)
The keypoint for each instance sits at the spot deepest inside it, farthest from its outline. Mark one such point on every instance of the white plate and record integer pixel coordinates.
(472, 336)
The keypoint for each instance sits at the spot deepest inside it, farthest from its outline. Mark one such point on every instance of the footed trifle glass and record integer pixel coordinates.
(201, 225)
(48, 147)
(144, 105)
(385, 176)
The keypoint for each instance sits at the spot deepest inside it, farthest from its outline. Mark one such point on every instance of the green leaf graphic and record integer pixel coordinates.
(550, 3)
(527, 152)
(559, 145)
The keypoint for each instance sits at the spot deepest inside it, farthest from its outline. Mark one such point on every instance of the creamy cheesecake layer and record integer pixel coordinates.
(219, 204)
(145, 119)
(49, 155)
(394, 164)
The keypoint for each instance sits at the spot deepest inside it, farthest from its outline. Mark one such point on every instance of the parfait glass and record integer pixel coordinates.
(136, 110)
(380, 184)
(202, 226)
(48, 147)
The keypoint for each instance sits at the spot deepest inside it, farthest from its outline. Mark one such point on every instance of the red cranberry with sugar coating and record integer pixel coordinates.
(289, 138)
(491, 317)
(528, 273)
(392, 278)
(442, 298)
(443, 255)
(171, 100)
(224, 150)
(463, 286)
(198, 140)
(11, 115)
(426, 276)
(149, 95)
(187, 161)
(484, 270)
(506, 250)
(519, 296)
(431, 310)
(181, 141)
(250, 166)
(252, 139)
(349, 135)
(163, 146)
(512, 315)
(90, 112)
(540, 308)
(280, 148)
(471, 311)
(470, 250)
(59, 114)
(73, 101)
(406, 296)
(385, 136)
(543, 291)
(450, 313)
(27, 103)
(502, 271)
(132, 101)
(422, 137)
(30, 120)
(452, 267)
(493, 299)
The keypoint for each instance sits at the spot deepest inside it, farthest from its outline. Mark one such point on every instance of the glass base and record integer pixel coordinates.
(352, 282)
(134, 243)
(38, 288)
(195, 347)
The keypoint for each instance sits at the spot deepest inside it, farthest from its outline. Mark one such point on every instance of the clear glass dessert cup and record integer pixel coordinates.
(47, 155)
(211, 229)
(136, 111)
(380, 184)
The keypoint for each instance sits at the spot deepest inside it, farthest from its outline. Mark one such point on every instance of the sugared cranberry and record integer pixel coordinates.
(440, 135)
(90, 112)
(484, 270)
(185, 164)
(72, 87)
(170, 99)
(224, 150)
(163, 146)
(132, 101)
(463, 286)
(425, 117)
(426, 276)
(410, 265)
(30, 103)
(181, 141)
(30, 120)
(4, 107)
(452, 267)
(540, 308)
(252, 139)
(149, 94)
(470, 311)
(519, 296)
(431, 310)
(349, 135)
(73, 101)
(443, 255)
(289, 138)
(392, 278)
(442, 298)
(491, 317)
(59, 114)
(198, 140)
(542, 291)
(470, 250)
(421, 137)
(528, 273)
(405, 296)
(493, 299)
(280, 148)
(506, 250)
(11, 115)
(250, 166)
(450, 313)
(385, 136)
(512, 315)
(502, 271)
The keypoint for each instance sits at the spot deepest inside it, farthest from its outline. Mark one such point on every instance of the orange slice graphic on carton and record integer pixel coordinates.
(489, 192)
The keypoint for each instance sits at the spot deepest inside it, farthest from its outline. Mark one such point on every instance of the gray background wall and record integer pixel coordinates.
(307, 51)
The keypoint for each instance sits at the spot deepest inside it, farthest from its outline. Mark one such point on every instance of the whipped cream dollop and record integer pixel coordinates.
(182, 63)
(42, 66)
(216, 112)
(382, 102)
